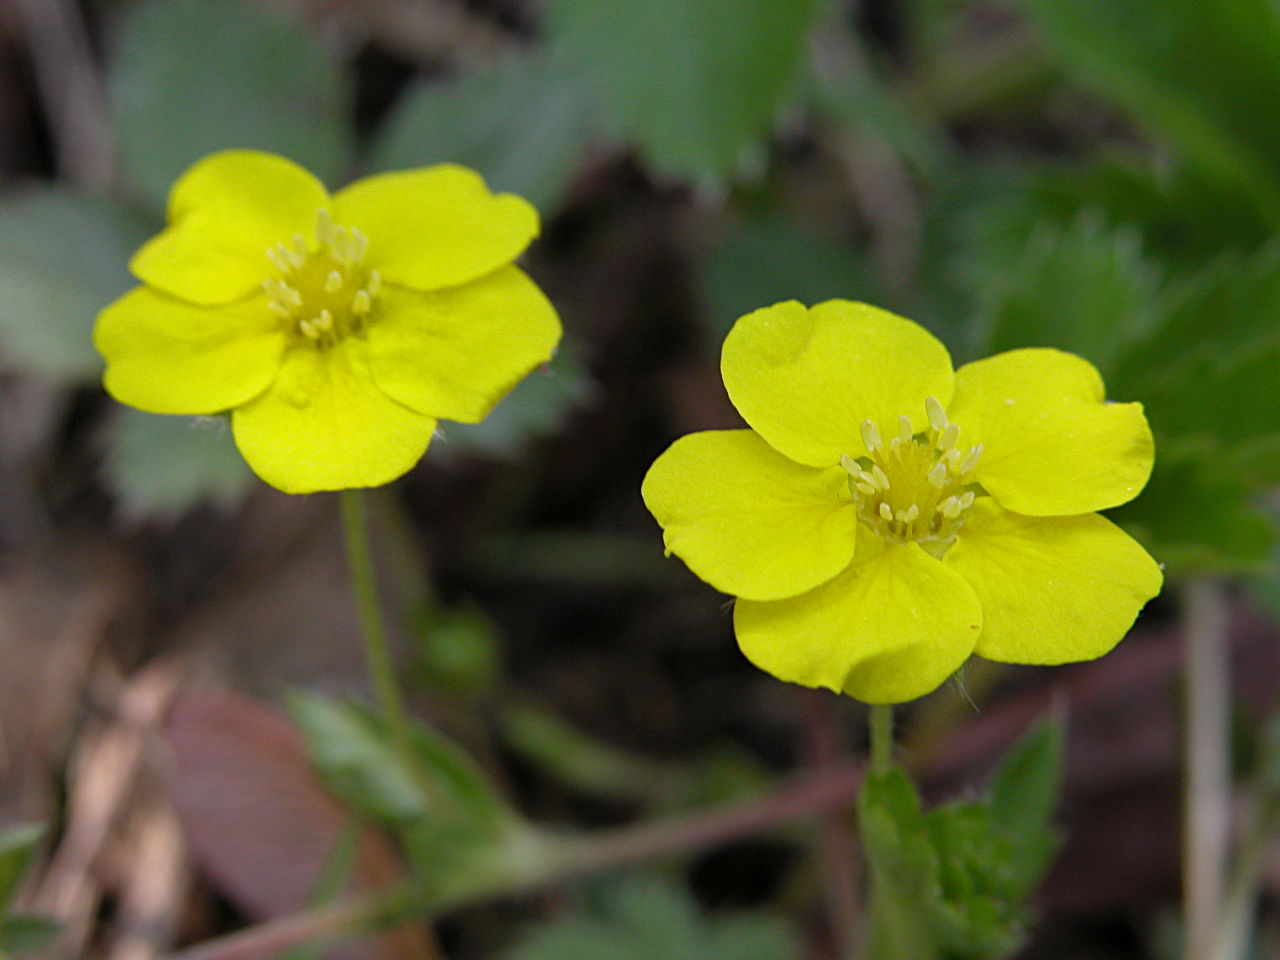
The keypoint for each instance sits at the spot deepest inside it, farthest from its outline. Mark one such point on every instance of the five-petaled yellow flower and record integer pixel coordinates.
(335, 329)
(885, 517)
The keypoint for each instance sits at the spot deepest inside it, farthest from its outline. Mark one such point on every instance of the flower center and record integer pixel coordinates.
(322, 292)
(915, 488)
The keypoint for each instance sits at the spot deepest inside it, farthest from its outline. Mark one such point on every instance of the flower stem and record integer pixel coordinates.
(1207, 792)
(881, 737)
(355, 528)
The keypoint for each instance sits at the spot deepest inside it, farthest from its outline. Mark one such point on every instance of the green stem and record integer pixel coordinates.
(355, 528)
(881, 737)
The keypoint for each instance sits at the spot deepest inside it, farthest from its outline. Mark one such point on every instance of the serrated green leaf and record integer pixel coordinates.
(25, 933)
(17, 847)
(521, 123)
(190, 77)
(694, 82)
(1189, 70)
(536, 408)
(1084, 287)
(63, 257)
(645, 918)
(161, 466)
(770, 258)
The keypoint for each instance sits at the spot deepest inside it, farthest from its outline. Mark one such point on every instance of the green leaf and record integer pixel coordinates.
(950, 883)
(1024, 794)
(17, 847)
(536, 408)
(1084, 287)
(770, 258)
(695, 83)
(63, 257)
(190, 77)
(25, 933)
(521, 123)
(457, 649)
(1188, 69)
(449, 818)
(161, 466)
(645, 918)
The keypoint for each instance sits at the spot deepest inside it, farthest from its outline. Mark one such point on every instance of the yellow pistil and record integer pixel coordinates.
(322, 292)
(915, 488)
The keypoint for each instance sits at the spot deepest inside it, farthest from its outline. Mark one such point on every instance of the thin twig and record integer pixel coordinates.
(1207, 797)
(828, 790)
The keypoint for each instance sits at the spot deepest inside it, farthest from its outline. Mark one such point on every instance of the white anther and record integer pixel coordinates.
(951, 508)
(300, 248)
(324, 226)
(279, 309)
(937, 416)
(949, 437)
(850, 465)
(938, 474)
(879, 476)
(951, 457)
(308, 329)
(280, 258)
(359, 244)
(374, 283)
(886, 511)
(966, 499)
(905, 430)
(971, 460)
(324, 321)
(865, 489)
(361, 303)
(870, 436)
(333, 282)
(908, 515)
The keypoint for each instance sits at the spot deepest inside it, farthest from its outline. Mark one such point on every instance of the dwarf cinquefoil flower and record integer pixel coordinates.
(885, 517)
(334, 329)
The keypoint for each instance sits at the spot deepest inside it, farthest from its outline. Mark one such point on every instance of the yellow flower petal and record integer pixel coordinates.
(891, 628)
(748, 520)
(1053, 589)
(1051, 444)
(455, 353)
(224, 213)
(435, 227)
(167, 356)
(805, 380)
(324, 425)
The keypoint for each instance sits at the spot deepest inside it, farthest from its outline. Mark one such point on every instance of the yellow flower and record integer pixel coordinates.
(885, 517)
(335, 329)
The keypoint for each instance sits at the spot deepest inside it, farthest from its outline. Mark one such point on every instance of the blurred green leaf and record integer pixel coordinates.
(770, 258)
(536, 408)
(1084, 287)
(17, 847)
(645, 918)
(521, 122)
(25, 933)
(1024, 795)
(439, 802)
(161, 466)
(63, 257)
(457, 649)
(1188, 69)
(1195, 519)
(694, 82)
(190, 77)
